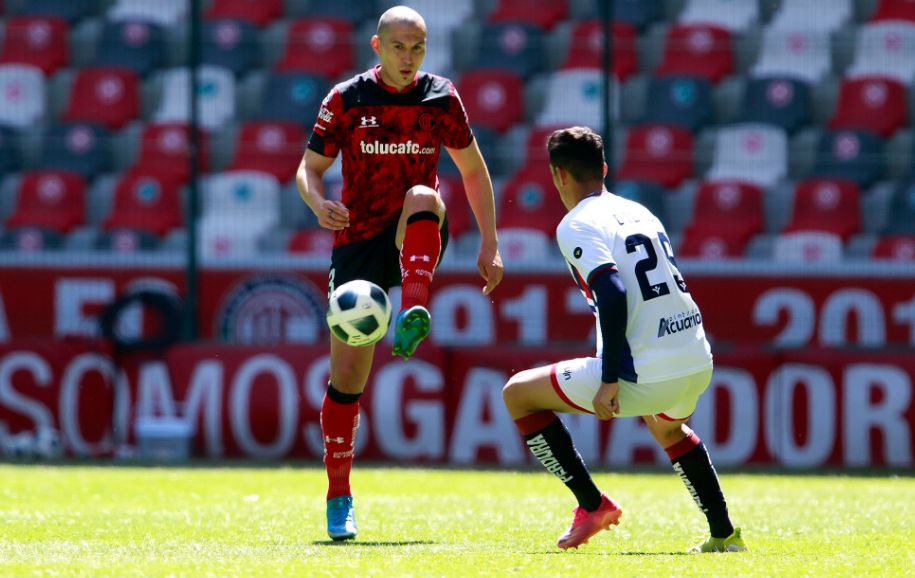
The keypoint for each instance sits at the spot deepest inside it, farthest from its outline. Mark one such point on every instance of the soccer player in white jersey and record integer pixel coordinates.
(652, 360)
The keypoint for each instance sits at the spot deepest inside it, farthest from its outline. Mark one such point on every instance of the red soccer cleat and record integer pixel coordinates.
(586, 523)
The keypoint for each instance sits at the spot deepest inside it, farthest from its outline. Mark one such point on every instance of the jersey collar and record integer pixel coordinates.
(376, 70)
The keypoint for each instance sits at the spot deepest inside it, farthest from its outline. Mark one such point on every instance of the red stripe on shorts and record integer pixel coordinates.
(562, 395)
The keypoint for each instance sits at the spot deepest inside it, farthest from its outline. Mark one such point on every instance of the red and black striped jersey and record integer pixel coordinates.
(390, 141)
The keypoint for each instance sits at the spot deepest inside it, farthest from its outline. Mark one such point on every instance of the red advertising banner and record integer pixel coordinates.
(534, 310)
(803, 409)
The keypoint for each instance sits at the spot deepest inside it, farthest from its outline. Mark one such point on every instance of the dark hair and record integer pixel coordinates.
(580, 151)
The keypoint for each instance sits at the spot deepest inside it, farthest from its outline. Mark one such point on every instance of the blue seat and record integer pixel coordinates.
(79, 147)
(70, 10)
(783, 102)
(639, 13)
(511, 46)
(353, 10)
(901, 214)
(10, 159)
(230, 44)
(679, 100)
(135, 45)
(293, 97)
(651, 195)
(851, 155)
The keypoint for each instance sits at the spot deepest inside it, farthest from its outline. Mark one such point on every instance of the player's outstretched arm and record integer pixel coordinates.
(331, 214)
(478, 187)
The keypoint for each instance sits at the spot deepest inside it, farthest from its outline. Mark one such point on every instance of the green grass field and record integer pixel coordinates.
(134, 521)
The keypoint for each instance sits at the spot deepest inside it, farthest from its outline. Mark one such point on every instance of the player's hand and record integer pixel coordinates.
(489, 263)
(332, 215)
(606, 402)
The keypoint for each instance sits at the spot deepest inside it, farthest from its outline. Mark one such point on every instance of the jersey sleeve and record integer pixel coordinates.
(585, 248)
(325, 136)
(456, 133)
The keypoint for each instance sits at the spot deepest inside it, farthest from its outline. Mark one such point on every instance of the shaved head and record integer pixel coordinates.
(400, 16)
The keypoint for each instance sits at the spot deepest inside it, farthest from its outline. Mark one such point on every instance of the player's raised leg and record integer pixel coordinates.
(692, 463)
(532, 402)
(420, 244)
(349, 371)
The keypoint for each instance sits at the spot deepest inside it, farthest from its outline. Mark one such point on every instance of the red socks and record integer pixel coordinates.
(339, 423)
(421, 247)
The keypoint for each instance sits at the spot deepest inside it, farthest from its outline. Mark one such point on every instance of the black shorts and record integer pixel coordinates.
(375, 259)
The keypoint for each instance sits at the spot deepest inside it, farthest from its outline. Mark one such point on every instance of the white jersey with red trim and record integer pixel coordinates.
(664, 334)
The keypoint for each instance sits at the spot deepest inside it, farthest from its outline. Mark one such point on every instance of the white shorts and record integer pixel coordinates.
(576, 381)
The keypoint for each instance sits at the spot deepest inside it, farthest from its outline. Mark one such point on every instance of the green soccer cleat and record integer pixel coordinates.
(733, 543)
(412, 326)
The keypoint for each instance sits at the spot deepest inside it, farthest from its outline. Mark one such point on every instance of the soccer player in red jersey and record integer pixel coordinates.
(390, 227)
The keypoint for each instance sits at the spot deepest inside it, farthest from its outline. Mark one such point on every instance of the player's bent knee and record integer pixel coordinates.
(422, 198)
(515, 392)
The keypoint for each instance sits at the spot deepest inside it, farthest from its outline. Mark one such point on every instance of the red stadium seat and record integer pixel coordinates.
(586, 48)
(146, 201)
(895, 248)
(710, 243)
(257, 12)
(659, 154)
(164, 151)
(541, 13)
(459, 216)
(698, 50)
(729, 204)
(317, 242)
(107, 96)
(51, 200)
(269, 147)
(535, 148)
(874, 104)
(40, 41)
(530, 201)
(826, 205)
(895, 10)
(322, 46)
(493, 98)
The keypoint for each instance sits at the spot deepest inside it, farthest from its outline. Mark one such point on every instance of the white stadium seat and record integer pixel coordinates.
(215, 93)
(733, 15)
(751, 152)
(885, 49)
(574, 97)
(810, 15)
(238, 208)
(804, 54)
(807, 247)
(22, 95)
(163, 12)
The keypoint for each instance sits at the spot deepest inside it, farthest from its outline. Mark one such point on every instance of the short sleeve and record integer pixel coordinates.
(585, 247)
(325, 136)
(456, 133)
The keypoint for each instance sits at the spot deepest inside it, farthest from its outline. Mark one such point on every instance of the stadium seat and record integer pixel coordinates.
(885, 49)
(460, 219)
(40, 41)
(535, 153)
(10, 156)
(493, 98)
(165, 13)
(529, 201)
(125, 241)
(293, 97)
(809, 247)
(894, 10)
(650, 195)
(752, 152)
(729, 205)
(216, 96)
(322, 46)
(697, 50)
(809, 15)
(679, 100)
(826, 205)
(106, 96)
(49, 200)
(660, 154)
(488, 141)
(80, 147)
(133, 44)
(804, 54)
(573, 97)
(733, 15)
(22, 95)
(147, 202)
(895, 248)
(543, 14)
(511, 46)
(257, 12)
(586, 48)
(525, 247)
(780, 101)
(70, 10)
(355, 11)
(711, 244)
(871, 104)
(849, 155)
(638, 13)
(238, 207)
(270, 147)
(30, 239)
(230, 44)
(164, 151)
(311, 242)
(901, 214)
